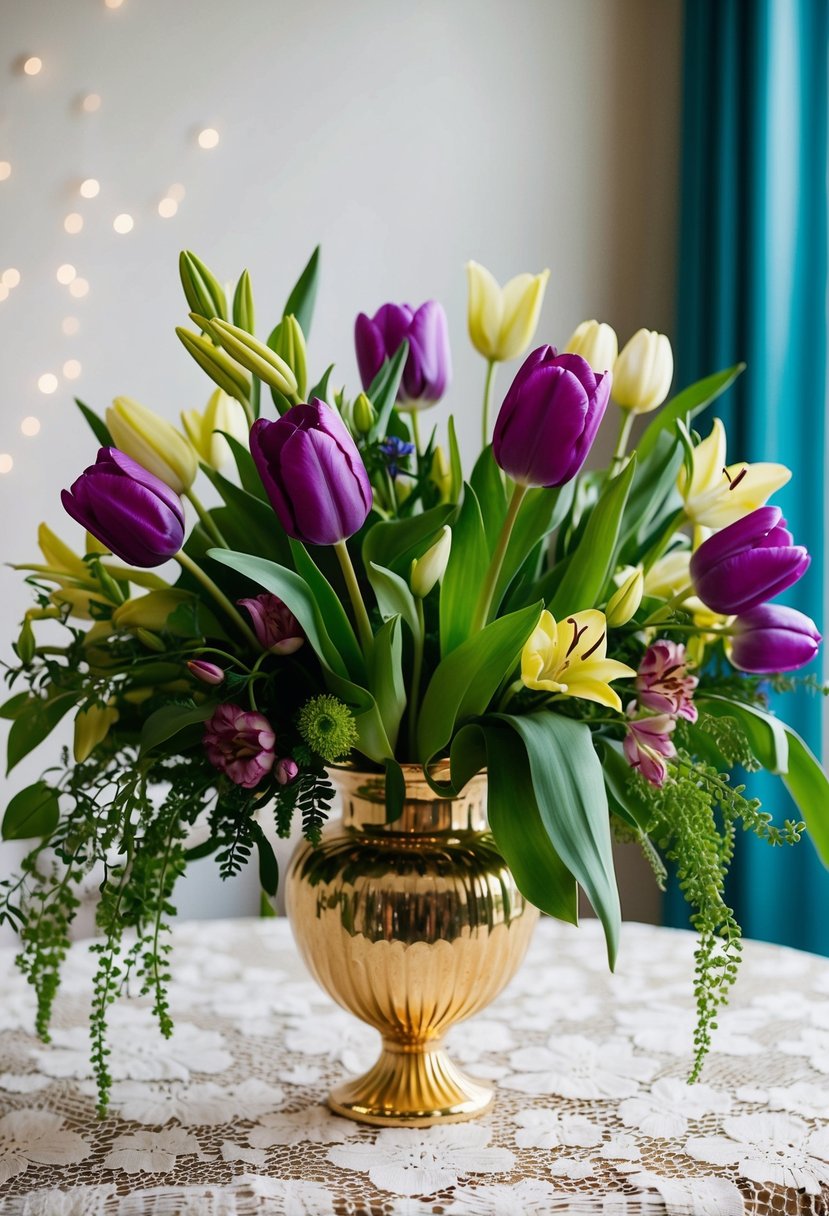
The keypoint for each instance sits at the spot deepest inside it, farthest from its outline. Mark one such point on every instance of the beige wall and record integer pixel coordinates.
(406, 138)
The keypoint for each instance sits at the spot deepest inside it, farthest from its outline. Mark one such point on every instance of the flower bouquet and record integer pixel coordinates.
(601, 641)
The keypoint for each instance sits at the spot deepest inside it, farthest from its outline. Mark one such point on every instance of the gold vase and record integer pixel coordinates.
(412, 926)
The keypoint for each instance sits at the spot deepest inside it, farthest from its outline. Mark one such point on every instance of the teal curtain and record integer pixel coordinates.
(753, 287)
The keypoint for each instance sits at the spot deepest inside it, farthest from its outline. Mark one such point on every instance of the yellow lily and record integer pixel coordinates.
(151, 611)
(502, 320)
(92, 726)
(595, 342)
(570, 658)
(58, 556)
(669, 574)
(222, 413)
(153, 442)
(718, 494)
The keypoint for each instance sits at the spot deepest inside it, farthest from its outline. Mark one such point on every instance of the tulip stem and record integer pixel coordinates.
(219, 596)
(417, 673)
(207, 521)
(488, 386)
(484, 605)
(622, 441)
(659, 616)
(415, 430)
(355, 595)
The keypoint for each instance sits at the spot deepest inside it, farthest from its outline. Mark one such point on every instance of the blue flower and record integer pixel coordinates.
(394, 449)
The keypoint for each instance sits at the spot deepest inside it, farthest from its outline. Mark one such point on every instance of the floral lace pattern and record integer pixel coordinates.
(593, 1112)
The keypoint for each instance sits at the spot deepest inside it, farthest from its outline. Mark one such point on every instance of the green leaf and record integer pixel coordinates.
(330, 606)
(465, 681)
(395, 790)
(766, 734)
(593, 560)
(304, 294)
(245, 467)
(15, 705)
(465, 573)
(268, 865)
(808, 785)
(653, 491)
(570, 791)
(34, 722)
(263, 532)
(97, 425)
(539, 514)
(34, 812)
(620, 790)
(487, 481)
(455, 466)
(394, 543)
(514, 817)
(320, 389)
(386, 677)
(394, 596)
(686, 405)
(382, 391)
(166, 722)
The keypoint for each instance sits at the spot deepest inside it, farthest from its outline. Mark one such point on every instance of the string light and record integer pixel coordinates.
(30, 425)
(5, 170)
(6, 462)
(10, 278)
(47, 383)
(208, 138)
(71, 369)
(4, 292)
(66, 273)
(176, 192)
(167, 208)
(70, 326)
(73, 223)
(91, 103)
(32, 65)
(90, 188)
(79, 288)
(123, 223)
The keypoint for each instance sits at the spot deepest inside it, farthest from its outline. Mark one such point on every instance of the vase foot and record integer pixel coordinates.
(411, 1087)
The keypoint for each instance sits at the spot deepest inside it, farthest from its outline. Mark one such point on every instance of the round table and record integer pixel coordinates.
(592, 1114)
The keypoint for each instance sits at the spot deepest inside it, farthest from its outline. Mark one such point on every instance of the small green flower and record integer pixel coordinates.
(327, 725)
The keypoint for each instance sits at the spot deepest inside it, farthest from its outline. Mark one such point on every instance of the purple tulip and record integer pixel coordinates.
(275, 626)
(208, 673)
(313, 473)
(747, 563)
(428, 368)
(549, 418)
(241, 744)
(773, 638)
(131, 511)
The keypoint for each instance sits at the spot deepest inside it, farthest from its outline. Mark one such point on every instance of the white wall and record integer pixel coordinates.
(406, 138)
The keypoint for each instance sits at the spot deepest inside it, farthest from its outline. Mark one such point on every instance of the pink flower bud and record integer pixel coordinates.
(647, 744)
(208, 673)
(286, 771)
(275, 626)
(240, 743)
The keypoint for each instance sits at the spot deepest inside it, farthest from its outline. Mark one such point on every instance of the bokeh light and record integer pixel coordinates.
(123, 223)
(208, 138)
(47, 383)
(90, 187)
(6, 462)
(71, 369)
(79, 288)
(73, 223)
(30, 425)
(32, 65)
(70, 326)
(10, 278)
(66, 273)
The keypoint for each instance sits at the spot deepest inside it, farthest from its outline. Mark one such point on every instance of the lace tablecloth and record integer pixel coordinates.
(592, 1115)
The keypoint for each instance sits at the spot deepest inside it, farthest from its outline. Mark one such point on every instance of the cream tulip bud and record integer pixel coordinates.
(206, 431)
(503, 320)
(624, 603)
(431, 567)
(643, 372)
(595, 342)
(153, 442)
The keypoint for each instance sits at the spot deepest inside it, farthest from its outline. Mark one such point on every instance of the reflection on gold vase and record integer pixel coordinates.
(412, 926)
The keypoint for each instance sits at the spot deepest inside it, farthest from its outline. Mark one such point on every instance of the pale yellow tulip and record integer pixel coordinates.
(595, 342)
(431, 567)
(570, 658)
(718, 494)
(503, 320)
(153, 442)
(222, 413)
(643, 372)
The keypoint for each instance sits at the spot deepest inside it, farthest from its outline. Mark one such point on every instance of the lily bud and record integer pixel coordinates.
(440, 474)
(595, 342)
(153, 442)
(254, 355)
(151, 640)
(243, 313)
(288, 342)
(92, 726)
(26, 643)
(221, 369)
(203, 291)
(624, 603)
(431, 567)
(222, 413)
(643, 372)
(503, 320)
(363, 415)
(208, 673)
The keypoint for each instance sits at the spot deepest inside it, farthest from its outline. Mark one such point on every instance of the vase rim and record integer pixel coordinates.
(424, 811)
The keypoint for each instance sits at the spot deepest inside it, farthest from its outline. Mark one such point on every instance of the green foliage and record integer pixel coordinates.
(328, 727)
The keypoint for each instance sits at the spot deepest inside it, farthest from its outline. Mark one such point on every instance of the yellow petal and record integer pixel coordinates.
(593, 690)
(709, 459)
(589, 627)
(485, 310)
(58, 556)
(522, 299)
(604, 670)
(541, 657)
(669, 574)
(153, 442)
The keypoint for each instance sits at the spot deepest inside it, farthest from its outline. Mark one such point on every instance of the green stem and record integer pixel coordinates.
(484, 604)
(417, 671)
(250, 413)
(207, 520)
(223, 654)
(357, 603)
(488, 385)
(219, 596)
(622, 441)
(655, 552)
(415, 430)
(656, 618)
